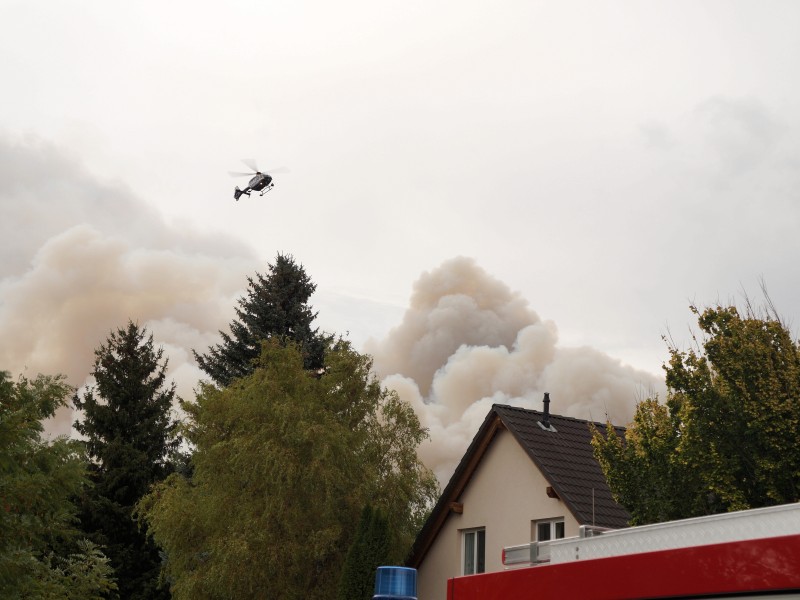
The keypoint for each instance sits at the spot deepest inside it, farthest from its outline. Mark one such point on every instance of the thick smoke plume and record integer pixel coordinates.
(81, 257)
(467, 341)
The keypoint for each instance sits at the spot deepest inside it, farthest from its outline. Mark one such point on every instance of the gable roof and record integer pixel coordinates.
(564, 457)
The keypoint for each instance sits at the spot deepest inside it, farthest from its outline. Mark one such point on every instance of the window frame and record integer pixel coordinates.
(477, 549)
(553, 532)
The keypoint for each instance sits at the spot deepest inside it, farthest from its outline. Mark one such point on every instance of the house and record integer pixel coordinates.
(526, 476)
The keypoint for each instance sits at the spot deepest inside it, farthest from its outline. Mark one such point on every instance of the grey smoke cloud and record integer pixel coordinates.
(457, 304)
(467, 341)
(81, 257)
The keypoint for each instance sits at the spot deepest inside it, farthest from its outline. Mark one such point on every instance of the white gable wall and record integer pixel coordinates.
(506, 494)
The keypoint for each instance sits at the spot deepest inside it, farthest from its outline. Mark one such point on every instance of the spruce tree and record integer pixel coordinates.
(275, 307)
(131, 439)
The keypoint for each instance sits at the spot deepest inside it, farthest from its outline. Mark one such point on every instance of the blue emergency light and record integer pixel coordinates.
(395, 583)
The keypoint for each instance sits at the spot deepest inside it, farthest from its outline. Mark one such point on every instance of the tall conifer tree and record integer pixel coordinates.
(132, 439)
(275, 307)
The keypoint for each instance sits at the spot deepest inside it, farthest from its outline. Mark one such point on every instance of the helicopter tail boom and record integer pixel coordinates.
(237, 193)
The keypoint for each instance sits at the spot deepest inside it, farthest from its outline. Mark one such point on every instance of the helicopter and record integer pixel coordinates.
(259, 182)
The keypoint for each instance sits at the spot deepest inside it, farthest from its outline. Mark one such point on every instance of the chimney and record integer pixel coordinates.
(546, 415)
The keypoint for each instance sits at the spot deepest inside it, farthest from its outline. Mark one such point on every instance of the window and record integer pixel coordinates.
(474, 544)
(551, 529)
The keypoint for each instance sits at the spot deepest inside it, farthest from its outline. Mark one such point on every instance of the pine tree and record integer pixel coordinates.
(276, 306)
(132, 439)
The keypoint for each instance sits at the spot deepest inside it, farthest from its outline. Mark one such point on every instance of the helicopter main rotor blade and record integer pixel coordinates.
(237, 174)
(278, 170)
(251, 163)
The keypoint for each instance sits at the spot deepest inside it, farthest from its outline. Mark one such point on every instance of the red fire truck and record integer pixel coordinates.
(752, 554)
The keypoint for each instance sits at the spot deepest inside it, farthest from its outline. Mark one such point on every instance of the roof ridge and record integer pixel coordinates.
(553, 415)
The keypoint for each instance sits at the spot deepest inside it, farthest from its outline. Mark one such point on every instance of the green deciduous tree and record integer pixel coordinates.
(131, 437)
(641, 469)
(284, 462)
(41, 552)
(275, 307)
(728, 437)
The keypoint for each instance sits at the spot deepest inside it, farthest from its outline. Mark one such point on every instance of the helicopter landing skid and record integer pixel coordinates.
(266, 189)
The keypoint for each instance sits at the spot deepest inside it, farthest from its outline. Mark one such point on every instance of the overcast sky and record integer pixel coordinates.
(603, 164)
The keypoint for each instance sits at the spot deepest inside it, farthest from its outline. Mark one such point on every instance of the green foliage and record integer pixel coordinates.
(369, 550)
(276, 307)
(727, 438)
(640, 469)
(284, 463)
(132, 439)
(40, 553)
(83, 575)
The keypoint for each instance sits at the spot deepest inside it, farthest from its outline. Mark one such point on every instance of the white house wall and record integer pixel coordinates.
(506, 494)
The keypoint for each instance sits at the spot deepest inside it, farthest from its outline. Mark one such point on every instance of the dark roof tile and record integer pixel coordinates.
(565, 458)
